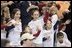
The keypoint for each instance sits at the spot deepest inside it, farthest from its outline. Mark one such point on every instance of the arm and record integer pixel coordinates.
(54, 19)
(12, 22)
(3, 4)
(68, 43)
(38, 28)
(37, 34)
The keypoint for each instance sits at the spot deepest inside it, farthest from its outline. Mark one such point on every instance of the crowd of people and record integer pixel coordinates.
(35, 24)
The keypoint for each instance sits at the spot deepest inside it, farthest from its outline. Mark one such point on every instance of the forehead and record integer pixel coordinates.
(60, 36)
(18, 12)
(36, 12)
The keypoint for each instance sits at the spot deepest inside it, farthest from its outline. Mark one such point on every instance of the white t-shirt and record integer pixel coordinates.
(49, 34)
(34, 25)
(14, 34)
(18, 27)
(66, 43)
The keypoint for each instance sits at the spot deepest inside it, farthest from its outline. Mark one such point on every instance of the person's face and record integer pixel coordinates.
(17, 14)
(53, 9)
(49, 24)
(28, 41)
(44, 10)
(35, 15)
(60, 39)
(27, 29)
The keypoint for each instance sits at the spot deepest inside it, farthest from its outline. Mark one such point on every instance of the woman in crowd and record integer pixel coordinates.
(35, 25)
(14, 33)
(48, 34)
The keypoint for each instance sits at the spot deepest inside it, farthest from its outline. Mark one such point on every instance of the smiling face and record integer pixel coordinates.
(17, 14)
(49, 24)
(60, 39)
(35, 14)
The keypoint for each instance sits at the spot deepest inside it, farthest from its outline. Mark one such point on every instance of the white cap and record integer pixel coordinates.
(27, 36)
(32, 6)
